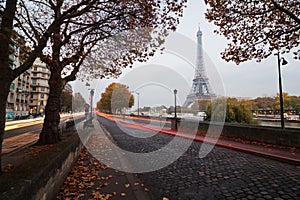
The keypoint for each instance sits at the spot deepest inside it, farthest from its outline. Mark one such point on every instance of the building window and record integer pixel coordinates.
(33, 82)
(43, 75)
(35, 68)
(42, 96)
(33, 88)
(12, 86)
(41, 103)
(10, 105)
(31, 96)
(43, 82)
(42, 89)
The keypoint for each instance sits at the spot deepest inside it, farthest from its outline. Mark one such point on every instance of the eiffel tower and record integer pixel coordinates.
(201, 89)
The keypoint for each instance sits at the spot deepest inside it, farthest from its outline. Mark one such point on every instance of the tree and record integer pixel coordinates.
(13, 13)
(34, 22)
(88, 32)
(78, 103)
(115, 98)
(266, 103)
(237, 111)
(257, 28)
(295, 104)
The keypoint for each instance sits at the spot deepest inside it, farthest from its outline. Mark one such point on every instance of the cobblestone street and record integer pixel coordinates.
(222, 174)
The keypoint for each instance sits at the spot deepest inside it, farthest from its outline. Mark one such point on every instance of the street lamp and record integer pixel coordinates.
(175, 92)
(91, 96)
(138, 101)
(175, 115)
(283, 62)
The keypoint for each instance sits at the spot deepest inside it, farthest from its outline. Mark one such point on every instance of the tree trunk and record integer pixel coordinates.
(6, 76)
(3, 98)
(50, 131)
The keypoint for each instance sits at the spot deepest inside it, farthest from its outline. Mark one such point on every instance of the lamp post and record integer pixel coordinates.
(284, 62)
(138, 101)
(91, 95)
(175, 114)
(175, 92)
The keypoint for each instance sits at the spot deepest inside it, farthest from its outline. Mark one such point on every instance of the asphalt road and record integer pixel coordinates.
(222, 174)
(28, 129)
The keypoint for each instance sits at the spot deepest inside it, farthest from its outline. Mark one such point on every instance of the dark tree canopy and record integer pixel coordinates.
(256, 28)
(264, 102)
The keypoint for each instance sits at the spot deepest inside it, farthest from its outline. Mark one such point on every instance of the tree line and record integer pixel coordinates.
(241, 110)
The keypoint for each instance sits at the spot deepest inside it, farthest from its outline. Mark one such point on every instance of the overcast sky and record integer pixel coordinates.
(156, 80)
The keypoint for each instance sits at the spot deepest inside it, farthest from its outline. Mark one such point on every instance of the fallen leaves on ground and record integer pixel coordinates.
(89, 179)
(83, 177)
(36, 150)
(8, 167)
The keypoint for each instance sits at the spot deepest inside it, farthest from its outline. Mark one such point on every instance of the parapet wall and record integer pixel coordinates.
(42, 176)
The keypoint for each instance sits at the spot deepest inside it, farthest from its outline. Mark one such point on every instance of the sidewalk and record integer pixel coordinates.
(94, 178)
(18, 142)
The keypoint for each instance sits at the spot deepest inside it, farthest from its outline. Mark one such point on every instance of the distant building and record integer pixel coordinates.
(39, 87)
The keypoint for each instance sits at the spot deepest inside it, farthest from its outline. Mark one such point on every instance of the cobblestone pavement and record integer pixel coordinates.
(222, 174)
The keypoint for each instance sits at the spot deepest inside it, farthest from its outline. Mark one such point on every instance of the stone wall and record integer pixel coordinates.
(41, 177)
(50, 189)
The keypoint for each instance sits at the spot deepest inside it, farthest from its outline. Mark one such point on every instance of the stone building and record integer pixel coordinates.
(39, 87)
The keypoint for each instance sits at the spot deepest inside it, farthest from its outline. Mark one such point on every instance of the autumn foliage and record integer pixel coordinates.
(115, 98)
(256, 29)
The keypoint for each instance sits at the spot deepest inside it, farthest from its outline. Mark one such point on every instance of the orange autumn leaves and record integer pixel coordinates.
(83, 177)
(89, 179)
